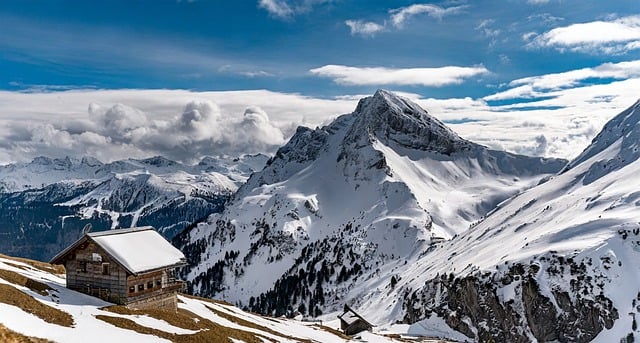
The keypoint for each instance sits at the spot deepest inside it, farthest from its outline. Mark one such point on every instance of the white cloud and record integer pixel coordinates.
(285, 9)
(487, 30)
(257, 73)
(562, 118)
(400, 15)
(177, 124)
(527, 36)
(547, 18)
(431, 77)
(364, 28)
(615, 36)
(537, 86)
(538, 2)
(504, 59)
(278, 8)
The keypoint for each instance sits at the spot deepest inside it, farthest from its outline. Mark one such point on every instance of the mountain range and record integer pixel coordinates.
(389, 211)
(46, 203)
(419, 230)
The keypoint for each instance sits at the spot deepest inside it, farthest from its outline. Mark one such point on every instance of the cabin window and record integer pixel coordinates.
(105, 269)
(149, 284)
(140, 287)
(82, 266)
(132, 289)
(158, 283)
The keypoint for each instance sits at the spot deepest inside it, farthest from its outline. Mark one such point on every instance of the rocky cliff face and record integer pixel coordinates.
(391, 119)
(511, 306)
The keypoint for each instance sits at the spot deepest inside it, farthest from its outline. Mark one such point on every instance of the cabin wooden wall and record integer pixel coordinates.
(111, 287)
(356, 327)
(140, 284)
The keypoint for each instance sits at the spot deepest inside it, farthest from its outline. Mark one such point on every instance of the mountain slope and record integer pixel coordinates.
(35, 306)
(338, 204)
(558, 262)
(51, 200)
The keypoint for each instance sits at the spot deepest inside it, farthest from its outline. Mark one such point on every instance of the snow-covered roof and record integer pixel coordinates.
(136, 249)
(350, 316)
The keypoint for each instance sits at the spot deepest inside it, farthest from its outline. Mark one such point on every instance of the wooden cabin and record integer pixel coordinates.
(352, 323)
(135, 267)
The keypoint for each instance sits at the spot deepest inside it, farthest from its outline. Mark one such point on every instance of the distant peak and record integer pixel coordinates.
(158, 161)
(623, 128)
(42, 160)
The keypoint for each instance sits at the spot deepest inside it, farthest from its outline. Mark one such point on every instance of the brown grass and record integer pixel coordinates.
(21, 280)
(43, 266)
(252, 325)
(333, 331)
(11, 296)
(239, 320)
(181, 318)
(213, 301)
(10, 336)
(210, 332)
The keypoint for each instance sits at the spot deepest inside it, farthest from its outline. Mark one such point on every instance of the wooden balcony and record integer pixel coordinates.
(169, 287)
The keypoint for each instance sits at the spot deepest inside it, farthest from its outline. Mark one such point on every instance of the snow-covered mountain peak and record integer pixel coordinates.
(384, 117)
(616, 146)
(90, 161)
(42, 162)
(158, 161)
(375, 188)
(388, 118)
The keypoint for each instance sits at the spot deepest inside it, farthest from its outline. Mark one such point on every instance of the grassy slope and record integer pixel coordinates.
(36, 307)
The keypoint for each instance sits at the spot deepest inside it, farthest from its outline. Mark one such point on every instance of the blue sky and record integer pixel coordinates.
(275, 44)
(183, 79)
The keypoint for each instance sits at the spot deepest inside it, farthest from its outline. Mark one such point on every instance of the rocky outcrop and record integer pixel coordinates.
(512, 307)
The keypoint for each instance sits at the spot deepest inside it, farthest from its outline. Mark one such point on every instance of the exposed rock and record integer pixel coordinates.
(473, 300)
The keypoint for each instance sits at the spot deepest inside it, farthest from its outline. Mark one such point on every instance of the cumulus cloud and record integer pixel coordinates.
(614, 36)
(180, 125)
(363, 28)
(431, 77)
(199, 130)
(400, 15)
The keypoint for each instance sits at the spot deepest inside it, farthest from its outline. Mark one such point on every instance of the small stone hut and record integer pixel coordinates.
(352, 323)
(135, 267)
